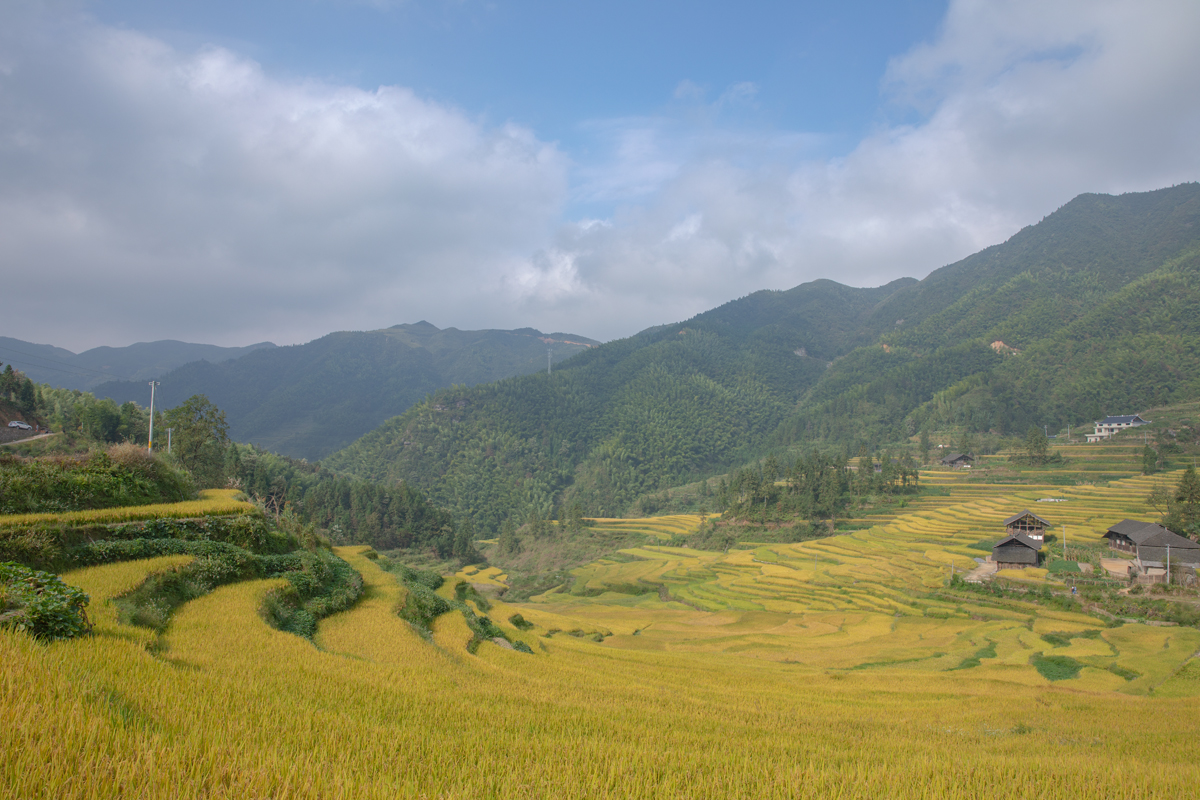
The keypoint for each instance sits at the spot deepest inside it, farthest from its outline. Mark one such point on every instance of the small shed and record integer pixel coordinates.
(1028, 524)
(958, 460)
(1016, 551)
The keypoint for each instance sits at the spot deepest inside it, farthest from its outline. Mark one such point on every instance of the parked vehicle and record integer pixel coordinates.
(16, 423)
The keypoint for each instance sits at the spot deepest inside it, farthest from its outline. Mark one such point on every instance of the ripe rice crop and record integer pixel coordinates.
(228, 707)
(212, 502)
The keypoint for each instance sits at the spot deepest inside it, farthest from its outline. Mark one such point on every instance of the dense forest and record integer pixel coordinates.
(1091, 311)
(622, 419)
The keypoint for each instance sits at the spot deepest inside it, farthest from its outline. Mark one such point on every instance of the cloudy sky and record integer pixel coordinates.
(229, 171)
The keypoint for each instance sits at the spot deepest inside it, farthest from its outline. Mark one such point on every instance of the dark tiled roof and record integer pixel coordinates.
(952, 457)
(1020, 538)
(1158, 536)
(1127, 527)
(1016, 517)
(1123, 420)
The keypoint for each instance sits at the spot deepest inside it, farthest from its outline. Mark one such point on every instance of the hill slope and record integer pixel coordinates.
(684, 400)
(624, 418)
(308, 400)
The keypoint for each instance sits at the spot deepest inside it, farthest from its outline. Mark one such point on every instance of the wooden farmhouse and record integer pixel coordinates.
(1152, 545)
(958, 460)
(1016, 551)
(1028, 524)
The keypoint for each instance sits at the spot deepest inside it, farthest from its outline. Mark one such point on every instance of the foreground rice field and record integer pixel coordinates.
(821, 669)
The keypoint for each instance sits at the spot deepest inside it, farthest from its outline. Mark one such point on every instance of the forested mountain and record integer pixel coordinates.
(625, 418)
(143, 361)
(1093, 309)
(1089, 312)
(308, 400)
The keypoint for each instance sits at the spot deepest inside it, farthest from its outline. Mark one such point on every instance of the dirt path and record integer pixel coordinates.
(27, 439)
(981, 573)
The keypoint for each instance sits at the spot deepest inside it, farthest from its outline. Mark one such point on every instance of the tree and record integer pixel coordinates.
(1149, 460)
(925, 445)
(1185, 513)
(1037, 446)
(199, 439)
(134, 423)
(509, 543)
(464, 541)
(27, 396)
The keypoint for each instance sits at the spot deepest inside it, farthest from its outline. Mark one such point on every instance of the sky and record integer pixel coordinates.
(235, 172)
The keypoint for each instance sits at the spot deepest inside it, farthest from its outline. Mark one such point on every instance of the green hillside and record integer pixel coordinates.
(308, 400)
(1089, 303)
(630, 416)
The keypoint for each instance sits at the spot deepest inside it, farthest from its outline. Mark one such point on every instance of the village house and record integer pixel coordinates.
(957, 460)
(1152, 545)
(1016, 551)
(1106, 427)
(1028, 524)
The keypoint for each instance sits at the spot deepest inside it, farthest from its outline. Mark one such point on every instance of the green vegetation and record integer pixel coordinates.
(1093, 310)
(41, 604)
(309, 400)
(123, 475)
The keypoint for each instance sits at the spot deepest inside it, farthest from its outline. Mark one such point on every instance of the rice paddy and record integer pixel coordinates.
(834, 668)
(212, 502)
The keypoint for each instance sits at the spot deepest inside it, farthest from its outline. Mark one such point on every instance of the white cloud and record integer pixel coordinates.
(152, 193)
(1023, 105)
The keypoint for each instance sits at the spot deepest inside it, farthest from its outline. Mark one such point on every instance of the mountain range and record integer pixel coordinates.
(1093, 310)
(143, 361)
(310, 399)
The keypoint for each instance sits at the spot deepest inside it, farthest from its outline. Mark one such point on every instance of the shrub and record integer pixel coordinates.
(40, 603)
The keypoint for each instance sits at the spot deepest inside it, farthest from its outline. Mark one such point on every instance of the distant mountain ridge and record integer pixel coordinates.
(828, 364)
(143, 361)
(310, 399)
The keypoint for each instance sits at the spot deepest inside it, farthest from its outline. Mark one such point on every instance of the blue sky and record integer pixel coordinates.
(570, 70)
(234, 172)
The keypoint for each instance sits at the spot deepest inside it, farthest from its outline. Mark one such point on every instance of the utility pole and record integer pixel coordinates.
(1168, 563)
(150, 439)
(169, 430)
(1064, 542)
(549, 352)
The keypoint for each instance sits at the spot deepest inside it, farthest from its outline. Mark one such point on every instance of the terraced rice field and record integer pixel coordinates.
(224, 706)
(819, 669)
(861, 601)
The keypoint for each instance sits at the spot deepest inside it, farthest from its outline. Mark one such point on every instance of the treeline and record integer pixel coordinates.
(814, 486)
(348, 510)
(78, 414)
